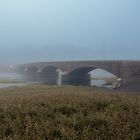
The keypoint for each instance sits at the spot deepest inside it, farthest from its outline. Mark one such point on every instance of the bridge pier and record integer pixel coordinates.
(126, 82)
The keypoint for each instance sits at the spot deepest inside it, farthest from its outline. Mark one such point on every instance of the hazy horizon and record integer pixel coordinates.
(51, 30)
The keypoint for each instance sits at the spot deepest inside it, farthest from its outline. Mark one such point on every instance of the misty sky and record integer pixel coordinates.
(49, 30)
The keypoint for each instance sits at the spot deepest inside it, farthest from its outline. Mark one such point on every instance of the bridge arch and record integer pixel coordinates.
(31, 69)
(103, 67)
(49, 75)
(30, 73)
(82, 76)
(20, 70)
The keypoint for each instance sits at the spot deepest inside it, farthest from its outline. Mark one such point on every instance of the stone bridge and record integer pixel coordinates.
(77, 72)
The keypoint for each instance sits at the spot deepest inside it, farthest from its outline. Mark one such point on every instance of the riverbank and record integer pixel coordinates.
(68, 112)
(5, 81)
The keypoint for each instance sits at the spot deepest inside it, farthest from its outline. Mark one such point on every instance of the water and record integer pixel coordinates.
(5, 85)
(99, 74)
(100, 83)
(10, 76)
(13, 76)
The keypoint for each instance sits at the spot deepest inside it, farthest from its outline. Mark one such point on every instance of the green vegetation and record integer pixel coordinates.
(68, 113)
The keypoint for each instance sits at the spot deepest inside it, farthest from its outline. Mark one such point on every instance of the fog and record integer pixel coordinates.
(50, 30)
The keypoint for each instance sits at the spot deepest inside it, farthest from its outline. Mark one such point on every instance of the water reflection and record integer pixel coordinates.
(13, 79)
(100, 83)
(9, 76)
(10, 79)
(5, 85)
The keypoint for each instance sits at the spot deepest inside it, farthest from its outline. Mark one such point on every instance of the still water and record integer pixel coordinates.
(5, 85)
(13, 76)
(100, 83)
(9, 76)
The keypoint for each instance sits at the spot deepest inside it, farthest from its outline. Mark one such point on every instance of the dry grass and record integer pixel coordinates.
(68, 113)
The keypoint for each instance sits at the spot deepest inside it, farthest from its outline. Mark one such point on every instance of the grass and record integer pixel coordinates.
(68, 113)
